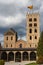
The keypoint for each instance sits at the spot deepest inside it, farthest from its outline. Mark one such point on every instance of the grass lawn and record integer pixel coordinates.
(32, 64)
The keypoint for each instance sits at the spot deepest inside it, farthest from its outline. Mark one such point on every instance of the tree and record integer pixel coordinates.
(40, 49)
(2, 62)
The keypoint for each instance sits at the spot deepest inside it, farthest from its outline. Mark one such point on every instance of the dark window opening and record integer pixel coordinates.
(30, 25)
(11, 56)
(35, 24)
(35, 45)
(32, 56)
(35, 30)
(30, 37)
(11, 38)
(11, 45)
(25, 56)
(30, 45)
(35, 19)
(7, 38)
(35, 37)
(6, 45)
(20, 45)
(30, 19)
(17, 57)
(30, 31)
(4, 56)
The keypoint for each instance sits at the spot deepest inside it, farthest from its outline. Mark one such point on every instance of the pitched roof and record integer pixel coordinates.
(21, 41)
(11, 31)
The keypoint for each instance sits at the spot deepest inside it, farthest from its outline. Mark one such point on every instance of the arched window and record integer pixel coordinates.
(11, 45)
(35, 24)
(20, 45)
(32, 56)
(35, 19)
(4, 56)
(30, 25)
(17, 57)
(25, 56)
(30, 45)
(30, 37)
(35, 45)
(11, 38)
(30, 19)
(30, 30)
(11, 56)
(6, 38)
(35, 37)
(35, 30)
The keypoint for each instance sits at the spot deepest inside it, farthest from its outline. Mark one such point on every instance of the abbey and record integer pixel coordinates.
(20, 50)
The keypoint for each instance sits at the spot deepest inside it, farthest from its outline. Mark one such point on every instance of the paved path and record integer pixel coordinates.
(18, 63)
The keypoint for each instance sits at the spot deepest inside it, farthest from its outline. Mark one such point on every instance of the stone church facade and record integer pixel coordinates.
(20, 50)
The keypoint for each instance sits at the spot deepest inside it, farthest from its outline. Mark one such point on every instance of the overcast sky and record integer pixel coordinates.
(13, 15)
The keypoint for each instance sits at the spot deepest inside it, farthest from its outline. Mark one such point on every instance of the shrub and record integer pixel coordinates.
(40, 60)
(2, 62)
(32, 64)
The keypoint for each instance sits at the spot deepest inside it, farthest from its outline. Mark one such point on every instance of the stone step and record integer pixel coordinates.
(18, 63)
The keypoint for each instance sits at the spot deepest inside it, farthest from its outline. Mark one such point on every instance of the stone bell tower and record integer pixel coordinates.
(33, 29)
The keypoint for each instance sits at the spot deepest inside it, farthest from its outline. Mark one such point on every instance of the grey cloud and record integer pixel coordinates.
(8, 10)
(21, 28)
(13, 10)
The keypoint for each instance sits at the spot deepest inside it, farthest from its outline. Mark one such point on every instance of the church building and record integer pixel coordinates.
(20, 50)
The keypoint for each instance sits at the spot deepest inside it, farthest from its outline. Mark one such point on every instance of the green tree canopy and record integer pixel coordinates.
(40, 45)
